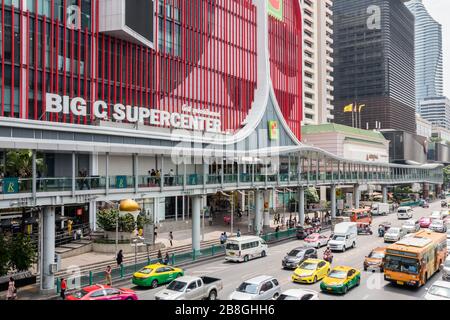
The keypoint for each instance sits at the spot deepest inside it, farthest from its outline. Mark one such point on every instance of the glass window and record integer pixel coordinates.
(192, 285)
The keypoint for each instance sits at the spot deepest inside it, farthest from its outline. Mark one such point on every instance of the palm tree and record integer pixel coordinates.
(20, 164)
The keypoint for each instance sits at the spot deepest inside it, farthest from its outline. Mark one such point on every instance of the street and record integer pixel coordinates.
(373, 286)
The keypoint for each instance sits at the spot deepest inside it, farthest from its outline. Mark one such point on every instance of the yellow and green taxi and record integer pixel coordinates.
(311, 271)
(340, 280)
(156, 274)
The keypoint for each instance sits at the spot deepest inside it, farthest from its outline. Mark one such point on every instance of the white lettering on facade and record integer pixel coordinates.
(190, 118)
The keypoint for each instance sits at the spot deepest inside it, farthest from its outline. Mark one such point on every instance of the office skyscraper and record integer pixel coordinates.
(428, 44)
(374, 63)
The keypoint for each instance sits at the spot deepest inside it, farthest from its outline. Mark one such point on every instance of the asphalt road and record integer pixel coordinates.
(373, 286)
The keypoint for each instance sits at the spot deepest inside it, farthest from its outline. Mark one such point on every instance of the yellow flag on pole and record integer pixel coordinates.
(348, 108)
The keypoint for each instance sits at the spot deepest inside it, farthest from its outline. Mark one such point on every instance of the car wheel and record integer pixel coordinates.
(212, 295)
(315, 279)
(275, 296)
(354, 245)
(129, 299)
(154, 284)
(246, 259)
(345, 290)
(358, 282)
(263, 254)
(343, 249)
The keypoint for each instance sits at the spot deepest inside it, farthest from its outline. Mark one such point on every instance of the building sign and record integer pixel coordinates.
(10, 185)
(276, 9)
(121, 182)
(189, 119)
(274, 131)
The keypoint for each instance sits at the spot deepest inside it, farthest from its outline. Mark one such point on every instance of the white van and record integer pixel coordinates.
(344, 236)
(380, 209)
(245, 248)
(404, 213)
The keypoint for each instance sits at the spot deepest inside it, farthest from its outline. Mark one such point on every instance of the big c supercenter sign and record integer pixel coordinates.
(189, 119)
(275, 8)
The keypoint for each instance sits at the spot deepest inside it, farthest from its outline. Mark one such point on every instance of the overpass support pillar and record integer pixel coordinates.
(196, 221)
(266, 217)
(426, 190)
(47, 249)
(385, 194)
(333, 202)
(301, 206)
(357, 195)
(259, 207)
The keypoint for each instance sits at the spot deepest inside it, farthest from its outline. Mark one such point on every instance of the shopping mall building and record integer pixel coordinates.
(207, 93)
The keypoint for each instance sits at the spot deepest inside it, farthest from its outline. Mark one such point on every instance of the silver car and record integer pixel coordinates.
(394, 234)
(258, 288)
(411, 226)
(446, 270)
(438, 226)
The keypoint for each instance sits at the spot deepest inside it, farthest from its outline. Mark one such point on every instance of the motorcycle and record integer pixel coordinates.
(328, 257)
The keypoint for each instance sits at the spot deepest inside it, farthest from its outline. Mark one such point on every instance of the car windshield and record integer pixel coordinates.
(80, 294)
(410, 223)
(338, 274)
(294, 253)
(393, 230)
(176, 286)
(146, 271)
(376, 255)
(232, 246)
(311, 238)
(286, 297)
(308, 266)
(338, 238)
(248, 288)
(437, 223)
(401, 264)
(437, 290)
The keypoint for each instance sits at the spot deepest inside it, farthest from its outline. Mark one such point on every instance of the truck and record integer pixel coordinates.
(191, 288)
(380, 209)
(344, 236)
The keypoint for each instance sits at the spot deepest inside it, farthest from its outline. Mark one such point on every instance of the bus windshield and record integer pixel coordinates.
(402, 264)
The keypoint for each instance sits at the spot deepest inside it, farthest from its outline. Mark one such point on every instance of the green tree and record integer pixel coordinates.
(20, 164)
(4, 256)
(142, 221)
(106, 220)
(447, 175)
(311, 195)
(22, 252)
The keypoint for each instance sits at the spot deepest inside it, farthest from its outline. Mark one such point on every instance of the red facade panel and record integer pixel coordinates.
(205, 57)
(285, 47)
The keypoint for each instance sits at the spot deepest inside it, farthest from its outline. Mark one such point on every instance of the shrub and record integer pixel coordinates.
(4, 256)
(22, 253)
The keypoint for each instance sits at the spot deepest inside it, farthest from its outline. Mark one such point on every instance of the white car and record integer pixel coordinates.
(394, 234)
(411, 226)
(404, 213)
(440, 290)
(299, 294)
(258, 288)
(438, 226)
(436, 215)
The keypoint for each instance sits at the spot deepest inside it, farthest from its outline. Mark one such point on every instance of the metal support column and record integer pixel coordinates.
(333, 201)
(196, 232)
(48, 250)
(301, 206)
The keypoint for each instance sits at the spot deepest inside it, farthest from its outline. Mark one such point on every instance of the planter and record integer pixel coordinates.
(21, 279)
(126, 248)
(123, 236)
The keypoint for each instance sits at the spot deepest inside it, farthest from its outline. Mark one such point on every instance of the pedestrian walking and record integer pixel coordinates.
(119, 258)
(171, 238)
(63, 289)
(12, 290)
(239, 233)
(171, 177)
(222, 239)
(108, 277)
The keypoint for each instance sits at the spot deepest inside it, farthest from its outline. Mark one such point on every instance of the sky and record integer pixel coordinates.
(440, 10)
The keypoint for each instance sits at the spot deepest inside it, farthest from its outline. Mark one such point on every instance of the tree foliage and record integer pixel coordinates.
(106, 220)
(4, 256)
(19, 163)
(22, 252)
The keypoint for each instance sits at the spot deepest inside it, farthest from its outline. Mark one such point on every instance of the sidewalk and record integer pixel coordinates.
(181, 238)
